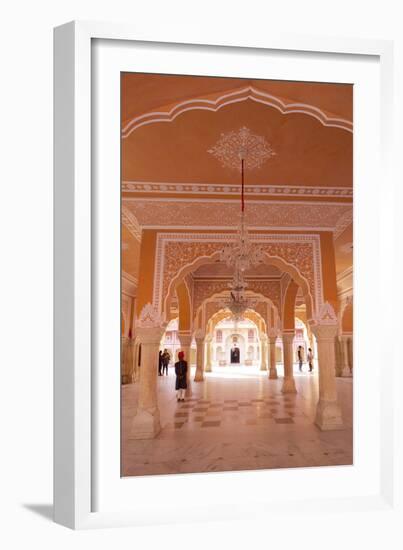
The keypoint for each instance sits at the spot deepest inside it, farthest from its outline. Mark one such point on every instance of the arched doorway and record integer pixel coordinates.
(170, 340)
(236, 343)
(276, 261)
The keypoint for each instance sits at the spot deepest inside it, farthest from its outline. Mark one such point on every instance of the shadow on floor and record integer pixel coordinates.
(44, 510)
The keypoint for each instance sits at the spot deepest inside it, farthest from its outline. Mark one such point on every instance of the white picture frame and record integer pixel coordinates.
(78, 472)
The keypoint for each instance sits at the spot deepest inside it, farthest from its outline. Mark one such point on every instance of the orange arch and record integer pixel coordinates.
(223, 293)
(271, 260)
(253, 316)
(185, 316)
(289, 306)
(347, 319)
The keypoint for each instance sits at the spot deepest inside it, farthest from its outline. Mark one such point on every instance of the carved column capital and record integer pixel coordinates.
(326, 324)
(273, 333)
(150, 318)
(199, 335)
(346, 336)
(288, 336)
(325, 331)
(149, 335)
(185, 338)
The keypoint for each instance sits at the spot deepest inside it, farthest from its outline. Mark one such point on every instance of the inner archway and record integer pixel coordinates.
(236, 343)
(276, 261)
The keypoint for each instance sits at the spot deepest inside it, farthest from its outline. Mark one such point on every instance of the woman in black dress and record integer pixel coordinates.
(181, 368)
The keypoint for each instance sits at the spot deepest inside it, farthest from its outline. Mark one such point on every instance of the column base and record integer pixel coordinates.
(199, 376)
(328, 416)
(263, 367)
(273, 374)
(146, 425)
(346, 372)
(188, 391)
(208, 369)
(289, 386)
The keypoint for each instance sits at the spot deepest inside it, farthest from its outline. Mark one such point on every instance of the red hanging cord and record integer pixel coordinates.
(242, 194)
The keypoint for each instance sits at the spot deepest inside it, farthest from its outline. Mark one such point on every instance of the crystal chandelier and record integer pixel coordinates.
(237, 302)
(240, 150)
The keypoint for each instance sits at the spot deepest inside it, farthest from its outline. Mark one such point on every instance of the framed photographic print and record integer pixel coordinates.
(220, 219)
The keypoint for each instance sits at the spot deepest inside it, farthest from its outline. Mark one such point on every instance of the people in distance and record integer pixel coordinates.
(181, 368)
(300, 353)
(160, 363)
(165, 361)
(310, 359)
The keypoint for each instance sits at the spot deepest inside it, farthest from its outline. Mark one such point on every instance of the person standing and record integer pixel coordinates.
(181, 368)
(310, 359)
(160, 362)
(300, 357)
(165, 361)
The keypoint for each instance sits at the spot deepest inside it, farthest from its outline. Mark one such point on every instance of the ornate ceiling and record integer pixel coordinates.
(170, 180)
(307, 152)
(144, 93)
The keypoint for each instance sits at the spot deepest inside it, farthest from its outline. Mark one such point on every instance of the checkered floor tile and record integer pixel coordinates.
(210, 414)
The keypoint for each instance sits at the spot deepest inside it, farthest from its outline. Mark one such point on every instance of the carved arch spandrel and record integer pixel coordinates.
(172, 275)
(217, 314)
(213, 305)
(204, 290)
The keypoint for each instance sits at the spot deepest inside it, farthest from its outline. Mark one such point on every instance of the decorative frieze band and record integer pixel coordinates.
(253, 189)
(130, 221)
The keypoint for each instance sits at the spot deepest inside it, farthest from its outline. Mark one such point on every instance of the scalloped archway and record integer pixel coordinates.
(203, 315)
(214, 104)
(278, 262)
(222, 314)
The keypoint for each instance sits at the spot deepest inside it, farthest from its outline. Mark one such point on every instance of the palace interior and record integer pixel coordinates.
(253, 408)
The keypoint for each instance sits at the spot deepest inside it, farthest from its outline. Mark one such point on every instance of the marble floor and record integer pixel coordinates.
(237, 419)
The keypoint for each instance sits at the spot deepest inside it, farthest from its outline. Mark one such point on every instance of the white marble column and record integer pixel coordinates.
(208, 340)
(129, 362)
(351, 354)
(199, 337)
(346, 372)
(289, 382)
(146, 423)
(136, 370)
(328, 413)
(263, 358)
(123, 350)
(186, 340)
(338, 350)
(273, 362)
